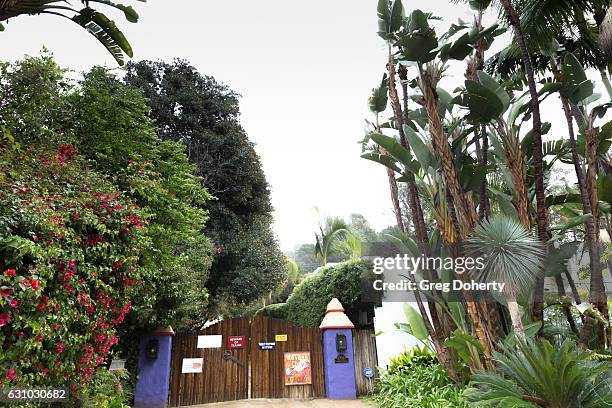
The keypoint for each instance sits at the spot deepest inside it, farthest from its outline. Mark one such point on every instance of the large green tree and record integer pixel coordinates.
(204, 115)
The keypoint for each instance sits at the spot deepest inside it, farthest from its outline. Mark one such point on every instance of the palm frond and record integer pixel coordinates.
(95, 22)
(105, 30)
(511, 255)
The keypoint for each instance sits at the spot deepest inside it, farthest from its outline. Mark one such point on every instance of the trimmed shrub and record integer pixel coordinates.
(306, 305)
(277, 310)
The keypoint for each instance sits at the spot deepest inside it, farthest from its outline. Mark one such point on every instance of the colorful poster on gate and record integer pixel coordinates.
(298, 370)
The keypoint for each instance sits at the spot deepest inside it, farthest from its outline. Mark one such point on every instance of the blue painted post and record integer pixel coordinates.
(338, 365)
(154, 373)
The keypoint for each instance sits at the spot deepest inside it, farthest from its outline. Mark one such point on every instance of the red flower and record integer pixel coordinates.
(10, 272)
(21, 334)
(6, 292)
(11, 374)
(219, 250)
(34, 284)
(4, 319)
(13, 303)
(59, 347)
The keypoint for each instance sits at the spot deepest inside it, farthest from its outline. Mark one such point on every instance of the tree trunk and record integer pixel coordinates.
(515, 316)
(541, 210)
(566, 309)
(435, 327)
(465, 214)
(574, 289)
(484, 208)
(394, 193)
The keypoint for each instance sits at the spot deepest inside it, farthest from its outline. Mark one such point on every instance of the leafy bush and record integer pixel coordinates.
(306, 305)
(537, 373)
(70, 246)
(277, 310)
(105, 390)
(415, 379)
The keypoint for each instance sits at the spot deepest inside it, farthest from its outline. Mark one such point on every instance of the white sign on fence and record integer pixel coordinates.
(117, 365)
(212, 341)
(192, 365)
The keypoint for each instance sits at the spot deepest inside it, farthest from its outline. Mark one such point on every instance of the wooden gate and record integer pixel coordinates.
(267, 366)
(364, 352)
(226, 373)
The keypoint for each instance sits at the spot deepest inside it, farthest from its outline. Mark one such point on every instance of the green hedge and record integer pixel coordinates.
(306, 305)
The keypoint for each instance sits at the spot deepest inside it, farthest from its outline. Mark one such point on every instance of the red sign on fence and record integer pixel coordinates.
(236, 342)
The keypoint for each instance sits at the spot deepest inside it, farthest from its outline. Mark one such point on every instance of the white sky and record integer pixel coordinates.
(304, 69)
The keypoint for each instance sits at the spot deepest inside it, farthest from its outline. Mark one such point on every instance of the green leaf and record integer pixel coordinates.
(420, 149)
(604, 188)
(563, 199)
(415, 320)
(492, 84)
(572, 223)
(479, 5)
(461, 342)
(379, 98)
(130, 14)
(484, 105)
(397, 15)
(393, 147)
(460, 48)
(419, 43)
(386, 161)
(576, 86)
(106, 32)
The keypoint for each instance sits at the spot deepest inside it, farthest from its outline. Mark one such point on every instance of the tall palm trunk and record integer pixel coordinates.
(597, 289)
(541, 210)
(466, 214)
(590, 224)
(515, 315)
(435, 327)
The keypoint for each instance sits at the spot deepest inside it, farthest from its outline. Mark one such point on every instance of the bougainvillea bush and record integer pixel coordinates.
(70, 246)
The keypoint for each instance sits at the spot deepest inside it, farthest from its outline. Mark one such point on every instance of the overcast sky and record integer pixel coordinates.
(304, 69)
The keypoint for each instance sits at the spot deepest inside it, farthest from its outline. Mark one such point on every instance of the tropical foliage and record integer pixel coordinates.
(475, 163)
(542, 374)
(93, 21)
(416, 379)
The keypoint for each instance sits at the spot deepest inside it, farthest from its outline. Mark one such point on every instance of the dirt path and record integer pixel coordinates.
(287, 403)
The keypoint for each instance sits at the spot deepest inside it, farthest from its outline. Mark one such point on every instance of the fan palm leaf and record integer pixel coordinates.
(512, 255)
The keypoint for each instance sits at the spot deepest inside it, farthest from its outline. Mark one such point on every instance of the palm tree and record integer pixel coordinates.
(95, 22)
(333, 230)
(566, 21)
(512, 257)
(538, 157)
